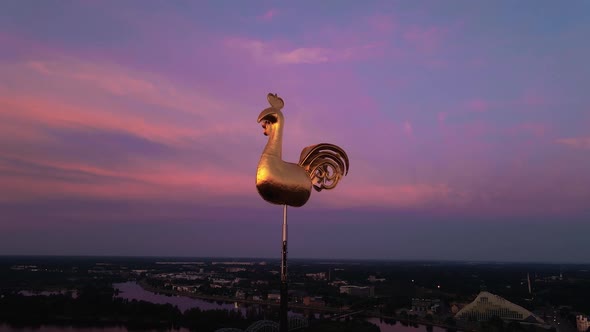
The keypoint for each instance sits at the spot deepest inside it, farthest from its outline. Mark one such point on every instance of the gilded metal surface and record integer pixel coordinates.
(320, 166)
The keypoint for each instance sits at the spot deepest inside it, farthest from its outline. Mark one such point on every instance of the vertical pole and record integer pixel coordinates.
(284, 325)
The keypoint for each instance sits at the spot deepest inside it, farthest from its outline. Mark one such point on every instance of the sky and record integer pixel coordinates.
(129, 127)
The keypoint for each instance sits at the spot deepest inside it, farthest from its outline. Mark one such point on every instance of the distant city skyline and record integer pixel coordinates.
(130, 128)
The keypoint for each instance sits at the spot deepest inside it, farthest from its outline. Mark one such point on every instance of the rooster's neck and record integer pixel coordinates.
(274, 146)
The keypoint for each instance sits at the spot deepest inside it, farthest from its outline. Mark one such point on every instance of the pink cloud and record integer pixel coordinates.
(303, 56)
(83, 96)
(70, 95)
(393, 196)
(477, 105)
(269, 52)
(57, 114)
(575, 142)
(442, 117)
(282, 53)
(383, 24)
(120, 81)
(408, 129)
(140, 180)
(369, 37)
(269, 14)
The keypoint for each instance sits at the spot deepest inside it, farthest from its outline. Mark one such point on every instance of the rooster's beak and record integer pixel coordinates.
(269, 114)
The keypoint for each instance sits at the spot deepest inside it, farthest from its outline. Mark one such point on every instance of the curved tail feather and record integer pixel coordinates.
(325, 163)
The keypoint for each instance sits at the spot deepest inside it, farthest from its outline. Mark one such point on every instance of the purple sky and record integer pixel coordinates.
(129, 127)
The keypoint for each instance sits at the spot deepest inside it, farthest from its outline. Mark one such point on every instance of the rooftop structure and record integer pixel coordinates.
(426, 306)
(487, 305)
(362, 291)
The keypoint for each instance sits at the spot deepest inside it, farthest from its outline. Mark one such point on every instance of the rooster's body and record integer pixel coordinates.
(320, 166)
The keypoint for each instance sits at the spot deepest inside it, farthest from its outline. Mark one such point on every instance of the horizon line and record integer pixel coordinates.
(400, 260)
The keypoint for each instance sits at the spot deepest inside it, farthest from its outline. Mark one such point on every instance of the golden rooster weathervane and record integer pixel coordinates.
(320, 166)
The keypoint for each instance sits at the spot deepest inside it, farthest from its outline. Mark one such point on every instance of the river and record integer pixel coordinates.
(49, 328)
(133, 291)
(397, 326)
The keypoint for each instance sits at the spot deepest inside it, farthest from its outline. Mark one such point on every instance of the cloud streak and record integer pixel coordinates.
(269, 15)
(280, 53)
(575, 142)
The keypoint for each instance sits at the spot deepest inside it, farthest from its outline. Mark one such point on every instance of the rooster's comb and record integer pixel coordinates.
(275, 101)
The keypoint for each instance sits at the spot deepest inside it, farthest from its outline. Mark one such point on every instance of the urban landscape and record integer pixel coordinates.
(210, 294)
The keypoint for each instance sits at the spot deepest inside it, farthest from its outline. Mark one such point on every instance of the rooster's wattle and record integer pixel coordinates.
(320, 166)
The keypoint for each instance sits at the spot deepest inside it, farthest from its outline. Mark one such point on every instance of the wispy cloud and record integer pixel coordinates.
(477, 105)
(280, 54)
(267, 52)
(90, 123)
(575, 142)
(89, 95)
(121, 81)
(392, 195)
(303, 56)
(384, 24)
(408, 128)
(269, 14)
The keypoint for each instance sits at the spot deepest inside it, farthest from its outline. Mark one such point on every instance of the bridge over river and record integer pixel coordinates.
(295, 323)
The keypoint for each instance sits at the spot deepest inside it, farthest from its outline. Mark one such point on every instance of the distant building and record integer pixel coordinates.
(240, 294)
(316, 276)
(426, 306)
(221, 282)
(186, 288)
(487, 305)
(582, 323)
(314, 301)
(233, 263)
(361, 291)
(297, 295)
(238, 280)
(456, 307)
(274, 297)
(375, 279)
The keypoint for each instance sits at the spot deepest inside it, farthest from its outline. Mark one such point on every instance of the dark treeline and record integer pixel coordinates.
(97, 306)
